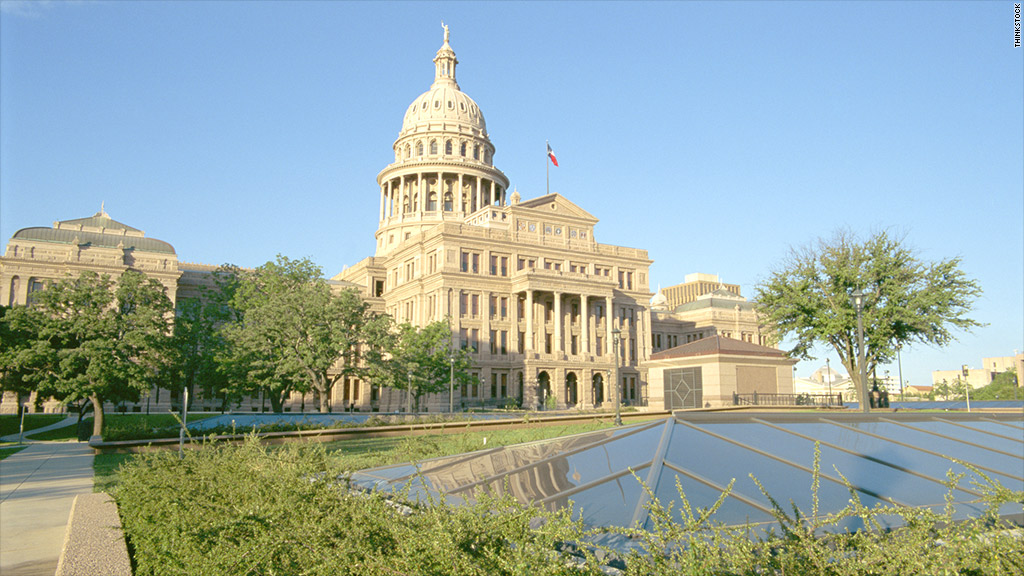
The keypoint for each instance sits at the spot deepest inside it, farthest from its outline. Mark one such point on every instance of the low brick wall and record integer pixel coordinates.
(94, 542)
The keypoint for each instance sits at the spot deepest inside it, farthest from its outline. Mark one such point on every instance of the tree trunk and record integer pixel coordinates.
(276, 402)
(97, 415)
(325, 398)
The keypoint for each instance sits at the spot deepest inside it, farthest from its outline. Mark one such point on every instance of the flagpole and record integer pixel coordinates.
(547, 169)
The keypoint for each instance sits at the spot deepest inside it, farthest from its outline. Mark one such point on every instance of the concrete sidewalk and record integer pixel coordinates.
(69, 421)
(37, 488)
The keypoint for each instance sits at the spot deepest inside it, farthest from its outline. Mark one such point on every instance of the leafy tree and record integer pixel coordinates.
(195, 347)
(417, 360)
(1003, 387)
(807, 299)
(19, 356)
(96, 339)
(294, 331)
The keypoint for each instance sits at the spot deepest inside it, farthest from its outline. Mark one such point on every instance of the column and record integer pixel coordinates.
(422, 204)
(584, 325)
(383, 193)
(485, 322)
(479, 192)
(440, 192)
(513, 314)
(558, 321)
(401, 198)
(529, 320)
(492, 193)
(609, 317)
(458, 196)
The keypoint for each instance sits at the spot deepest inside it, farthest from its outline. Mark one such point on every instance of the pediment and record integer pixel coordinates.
(557, 205)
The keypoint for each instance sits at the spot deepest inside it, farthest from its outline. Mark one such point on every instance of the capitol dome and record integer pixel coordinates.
(444, 102)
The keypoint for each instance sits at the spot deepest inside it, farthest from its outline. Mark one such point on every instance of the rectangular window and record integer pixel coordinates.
(504, 342)
(549, 310)
(470, 262)
(463, 304)
(474, 309)
(598, 347)
(504, 307)
(494, 341)
(522, 308)
(463, 338)
(474, 339)
(504, 385)
(494, 387)
(547, 343)
(572, 344)
(494, 307)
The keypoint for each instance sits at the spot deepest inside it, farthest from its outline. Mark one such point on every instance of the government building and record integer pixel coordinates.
(528, 290)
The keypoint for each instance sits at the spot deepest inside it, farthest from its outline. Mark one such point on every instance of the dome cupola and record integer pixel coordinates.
(444, 162)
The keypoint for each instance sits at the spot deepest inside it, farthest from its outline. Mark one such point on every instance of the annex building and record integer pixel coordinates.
(524, 283)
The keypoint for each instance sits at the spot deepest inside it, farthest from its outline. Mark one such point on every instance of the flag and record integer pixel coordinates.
(551, 154)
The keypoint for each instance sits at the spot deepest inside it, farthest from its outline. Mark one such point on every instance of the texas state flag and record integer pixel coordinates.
(551, 154)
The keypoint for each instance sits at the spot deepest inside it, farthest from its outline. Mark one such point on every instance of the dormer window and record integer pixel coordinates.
(433, 146)
(448, 147)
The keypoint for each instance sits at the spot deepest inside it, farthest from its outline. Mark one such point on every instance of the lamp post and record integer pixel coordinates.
(408, 396)
(967, 386)
(451, 384)
(857, 298)
(828, 376)
(899, 364)
(615, 377)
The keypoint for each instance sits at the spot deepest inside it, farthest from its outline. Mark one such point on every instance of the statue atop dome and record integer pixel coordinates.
(445, 26)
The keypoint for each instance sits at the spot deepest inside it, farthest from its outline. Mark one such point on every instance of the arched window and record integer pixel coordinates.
(433, 146)
(462, 149)
(476, 152)
(408, 151)
(408, 203)
(419, 148)
(432, 202)
(448, 202)
(448, 147)
(487, 156)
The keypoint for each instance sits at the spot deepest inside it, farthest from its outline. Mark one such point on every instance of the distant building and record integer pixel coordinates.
(980, 377)
(694, 286)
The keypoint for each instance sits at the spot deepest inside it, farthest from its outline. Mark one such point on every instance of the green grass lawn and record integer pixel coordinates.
(9, 450)
(10, 423)
(371, 452)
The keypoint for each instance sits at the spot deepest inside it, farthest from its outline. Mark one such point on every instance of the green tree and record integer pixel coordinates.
(807, 299)
(96, 339)
(1002, 387)
(417, 360)
(20, 356)
(294, 332)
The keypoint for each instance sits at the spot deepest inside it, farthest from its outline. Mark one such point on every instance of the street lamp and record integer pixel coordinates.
(967, 386)
(408, 396)
(857, 298)
(615, 377)
(828, 376)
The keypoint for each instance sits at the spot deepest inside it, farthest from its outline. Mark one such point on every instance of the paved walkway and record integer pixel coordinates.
(37, 488)
(69, 421)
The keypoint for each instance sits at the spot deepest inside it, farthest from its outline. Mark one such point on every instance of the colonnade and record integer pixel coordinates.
(436, 191)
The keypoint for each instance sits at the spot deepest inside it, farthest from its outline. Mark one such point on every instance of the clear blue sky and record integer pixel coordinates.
(715, 135)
